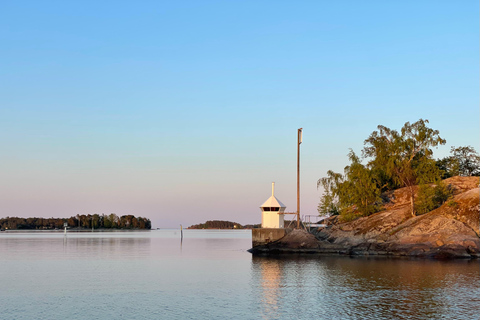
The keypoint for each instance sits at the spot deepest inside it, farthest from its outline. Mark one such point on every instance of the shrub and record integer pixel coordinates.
(452, 203)
(431, 197)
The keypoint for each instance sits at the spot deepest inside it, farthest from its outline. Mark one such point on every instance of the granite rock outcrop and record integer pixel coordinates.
(450, 231)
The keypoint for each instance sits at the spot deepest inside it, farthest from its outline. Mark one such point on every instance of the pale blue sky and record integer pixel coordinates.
(186, 111)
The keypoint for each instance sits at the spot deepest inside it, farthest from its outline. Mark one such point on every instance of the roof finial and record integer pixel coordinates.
(273, 187)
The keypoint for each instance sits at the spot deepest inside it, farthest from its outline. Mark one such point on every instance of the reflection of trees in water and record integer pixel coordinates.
(111, 247)
(364, 288)
(398, 288)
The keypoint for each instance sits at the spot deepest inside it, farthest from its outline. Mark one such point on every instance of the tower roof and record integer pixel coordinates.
(273, 201)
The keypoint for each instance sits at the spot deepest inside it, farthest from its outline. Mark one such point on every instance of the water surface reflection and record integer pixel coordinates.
(366, 288)
(152, 275)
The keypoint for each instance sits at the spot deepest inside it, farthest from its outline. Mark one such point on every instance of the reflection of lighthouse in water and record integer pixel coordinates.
(272, 212)
(270, 281)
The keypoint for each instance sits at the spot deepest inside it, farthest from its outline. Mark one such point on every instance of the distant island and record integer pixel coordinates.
(90, 221)
(220, 224)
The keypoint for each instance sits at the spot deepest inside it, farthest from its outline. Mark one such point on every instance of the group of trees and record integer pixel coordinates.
(395, 159)
(220, 224)
(94, 221)
(464, 161)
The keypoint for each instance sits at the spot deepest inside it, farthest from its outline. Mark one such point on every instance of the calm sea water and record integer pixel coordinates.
(210, 275)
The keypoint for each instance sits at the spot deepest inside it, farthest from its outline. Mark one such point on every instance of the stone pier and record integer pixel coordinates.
(266, 235)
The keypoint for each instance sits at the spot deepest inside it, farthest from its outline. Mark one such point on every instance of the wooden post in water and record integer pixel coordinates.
(299, 141)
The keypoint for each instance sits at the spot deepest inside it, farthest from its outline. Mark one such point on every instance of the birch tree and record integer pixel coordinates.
(405, 156)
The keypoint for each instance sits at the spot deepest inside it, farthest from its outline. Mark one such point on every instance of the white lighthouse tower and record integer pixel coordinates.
(272, 212)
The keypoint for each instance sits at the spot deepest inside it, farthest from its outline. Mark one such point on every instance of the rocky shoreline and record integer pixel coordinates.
(448, 232)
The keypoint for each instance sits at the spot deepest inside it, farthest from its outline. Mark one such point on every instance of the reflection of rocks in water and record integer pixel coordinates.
(415, 288)
(392, 288)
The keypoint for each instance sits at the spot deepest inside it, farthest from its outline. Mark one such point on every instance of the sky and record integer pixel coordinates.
(187, 111)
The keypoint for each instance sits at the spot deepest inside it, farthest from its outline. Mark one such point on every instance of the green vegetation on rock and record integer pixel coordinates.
(395, 159)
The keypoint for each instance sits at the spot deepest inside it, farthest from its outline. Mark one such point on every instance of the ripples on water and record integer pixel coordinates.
(153, 275)
(347, 288)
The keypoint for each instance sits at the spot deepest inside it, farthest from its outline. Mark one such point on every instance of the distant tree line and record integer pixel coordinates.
(395, 159)
(220, 224)
(463, 161)
(95, 221)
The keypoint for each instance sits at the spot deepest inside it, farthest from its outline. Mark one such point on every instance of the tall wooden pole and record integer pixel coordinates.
(299, 141)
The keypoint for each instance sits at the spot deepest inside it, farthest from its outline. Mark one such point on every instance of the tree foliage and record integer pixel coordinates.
(355, 192)
(405, 156)
(394, 159)
(431, 197)
(360, 187)
(464, 161)
(329, 201)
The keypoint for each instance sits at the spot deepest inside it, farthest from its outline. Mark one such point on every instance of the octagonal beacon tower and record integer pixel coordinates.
(272, 212)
